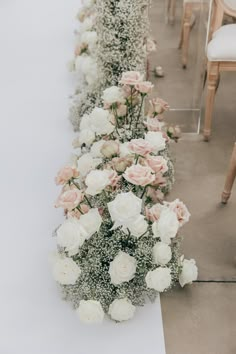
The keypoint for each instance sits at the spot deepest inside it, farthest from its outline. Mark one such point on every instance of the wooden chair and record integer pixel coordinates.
(230, 178)
(221, 53)
(189, 6)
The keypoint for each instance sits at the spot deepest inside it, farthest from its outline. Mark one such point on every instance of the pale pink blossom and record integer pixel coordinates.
(140, 147)
(181, 211)
(69, 199)
(155, 194)
(110, 148)
(139, 175)
(121, 163)
(157, 106)
(157, 163)
(114, 178)
(144, 87)
(65, 174)
(159, 180)
(121, 110)
(76, 213)
(131, 78)
(154, 212)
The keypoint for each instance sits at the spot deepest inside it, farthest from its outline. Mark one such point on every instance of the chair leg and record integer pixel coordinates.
(172, 11)
(185, 32)
(230, 178)
(212, 82)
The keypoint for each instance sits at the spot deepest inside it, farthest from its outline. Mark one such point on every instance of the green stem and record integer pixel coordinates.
(79, 210)
(140, 110)
(143, 192)
(88, 201)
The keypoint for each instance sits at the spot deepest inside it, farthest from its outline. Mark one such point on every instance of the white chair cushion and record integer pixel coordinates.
(222, 47)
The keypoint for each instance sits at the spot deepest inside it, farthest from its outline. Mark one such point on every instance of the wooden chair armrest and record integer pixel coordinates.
(227, 10)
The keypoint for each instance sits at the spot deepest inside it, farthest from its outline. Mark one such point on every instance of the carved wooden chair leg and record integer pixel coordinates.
(172, 11)
(212, 83)
(186, 32)
(230, 178)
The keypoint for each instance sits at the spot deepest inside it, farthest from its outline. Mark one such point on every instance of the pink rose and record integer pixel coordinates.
(157, 163)
(121, 110)
(69, 199)
(159, 180)
(181, 211)
(154, 212)
(155, 194)
(139, 175)
(144, 87)
(140, 147)
(114, 178)
(65, 174)
(131, 78)
(153, 124)
(157, 106)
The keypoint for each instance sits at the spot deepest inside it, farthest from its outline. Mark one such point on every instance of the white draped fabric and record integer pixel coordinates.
(36, 41)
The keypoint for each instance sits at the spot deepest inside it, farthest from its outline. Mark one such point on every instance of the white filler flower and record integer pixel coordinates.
(121, 310)
(100, 121)
(159, 279)
(96, 181)
(161, 253)
(91, 222)
(167, 226)
(122, 268)
(189, 272)
(124, 209)
(65, 271)
(112, 95)
(90, 311)
(157, 140)
(71, 235)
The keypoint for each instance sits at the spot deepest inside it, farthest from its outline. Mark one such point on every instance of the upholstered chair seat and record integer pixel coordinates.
(222, 47)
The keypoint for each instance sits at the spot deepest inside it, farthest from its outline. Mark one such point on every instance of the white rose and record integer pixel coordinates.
(92, 73)
(86, 136)
(124, 150)
(138, 227)
(161, 253)
(189, 272)
(71, 235)
(91, 222)
(124, 209)
(90, 38)
(167, 226)
(96, 181)
(85, 122)
(86, 163)
(96, 148)
(112, 95)
(90, 311)
(159, 279)
(121, 310)
(100, 121)
(65, 271)
(80, 60)
(122, 268)
(156, 140)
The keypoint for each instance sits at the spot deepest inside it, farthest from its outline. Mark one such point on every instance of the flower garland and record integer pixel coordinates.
(121, 34)
(120, 241)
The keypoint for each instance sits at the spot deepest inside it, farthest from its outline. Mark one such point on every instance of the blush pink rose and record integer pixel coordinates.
(69, 199)
(158, 106)
(144, 87)
(131, 78)
(110, 148)
(154, 212)
(121, 110)
(159, 180)
(114, 178)
(155, 194)
(139, 175)
(76, 213)
(140, 147)
(157, 163)
(121, 163)
(153, 124)
(181, 211)
(65, 174)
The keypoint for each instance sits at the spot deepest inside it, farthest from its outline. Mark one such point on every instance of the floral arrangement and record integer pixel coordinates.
(119, 243)
(122, 44)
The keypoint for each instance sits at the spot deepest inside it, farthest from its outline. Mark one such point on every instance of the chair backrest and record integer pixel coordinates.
(217, 9)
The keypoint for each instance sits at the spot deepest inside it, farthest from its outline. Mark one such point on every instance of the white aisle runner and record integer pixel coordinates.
(35, 138)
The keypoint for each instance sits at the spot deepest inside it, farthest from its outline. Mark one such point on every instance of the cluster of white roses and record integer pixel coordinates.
(84, 61)
(115, 189)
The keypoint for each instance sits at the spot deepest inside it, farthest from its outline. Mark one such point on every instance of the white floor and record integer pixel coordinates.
(35, 140)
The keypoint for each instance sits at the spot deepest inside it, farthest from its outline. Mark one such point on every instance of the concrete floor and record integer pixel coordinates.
(201, 319)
